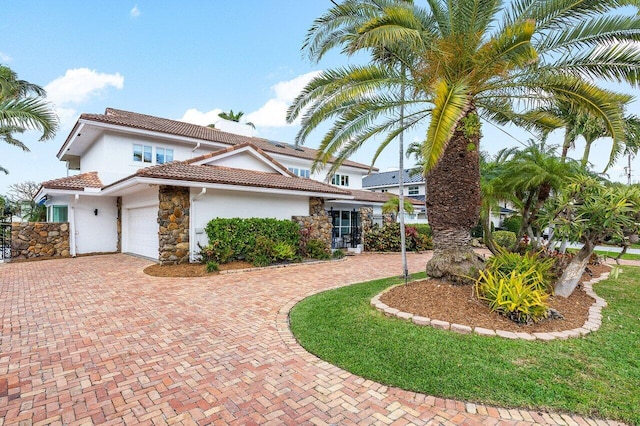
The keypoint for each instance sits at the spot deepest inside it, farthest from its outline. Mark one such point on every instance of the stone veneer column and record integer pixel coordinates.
(366, 222)
(318, 222)
(173, 221)
(39, 240)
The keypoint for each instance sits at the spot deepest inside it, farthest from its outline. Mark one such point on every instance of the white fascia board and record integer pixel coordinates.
(240, 188)
(76, 130)
(352, 201)
(46, 191)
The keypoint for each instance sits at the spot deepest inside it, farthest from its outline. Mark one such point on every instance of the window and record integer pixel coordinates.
(413, 190)
(57, 214)
(300, 172)
(142, 153)
(164, 155)
(340, 180)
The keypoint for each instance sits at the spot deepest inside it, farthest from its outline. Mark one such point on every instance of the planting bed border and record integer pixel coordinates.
(593, 323)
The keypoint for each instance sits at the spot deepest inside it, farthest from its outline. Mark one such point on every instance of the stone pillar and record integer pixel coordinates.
(318, 223)
(119, 224)
(173, 221)
(366, 222)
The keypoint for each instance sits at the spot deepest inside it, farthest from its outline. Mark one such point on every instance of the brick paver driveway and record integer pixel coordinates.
(94, 340)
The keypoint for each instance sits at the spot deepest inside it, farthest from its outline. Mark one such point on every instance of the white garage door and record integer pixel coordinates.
(142, 231)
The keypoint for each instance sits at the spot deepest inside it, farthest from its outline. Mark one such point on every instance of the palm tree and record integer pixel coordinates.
(532, 175)
(471, 60)
(22, 107)
(393, 206)
(231, 116)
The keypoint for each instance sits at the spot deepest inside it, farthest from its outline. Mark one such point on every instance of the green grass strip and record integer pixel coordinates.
(598, 375)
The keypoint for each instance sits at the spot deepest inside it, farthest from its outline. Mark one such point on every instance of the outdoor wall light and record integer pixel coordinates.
(95, 212)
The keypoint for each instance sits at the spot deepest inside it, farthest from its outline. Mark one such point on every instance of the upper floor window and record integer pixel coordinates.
(340, 180)
(142, 153)
(414, 190)
(164, 155)
(300, 172)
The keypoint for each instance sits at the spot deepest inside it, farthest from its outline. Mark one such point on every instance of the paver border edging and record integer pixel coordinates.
(593, 322)
(283, 327)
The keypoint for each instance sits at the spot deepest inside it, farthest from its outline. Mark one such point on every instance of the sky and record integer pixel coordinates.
(184, 60)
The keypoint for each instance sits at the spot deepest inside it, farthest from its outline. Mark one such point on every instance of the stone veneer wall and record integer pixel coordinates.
(39, 240)
(173, 218)
(318, 222)
(366, 222)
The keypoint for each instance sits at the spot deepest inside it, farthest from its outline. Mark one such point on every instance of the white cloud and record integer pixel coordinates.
(274, 112)
(135, 12)
(194, 116)
(79, 84)
(5, 58)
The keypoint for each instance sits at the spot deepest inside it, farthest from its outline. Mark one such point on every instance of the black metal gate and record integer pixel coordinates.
(5, 237)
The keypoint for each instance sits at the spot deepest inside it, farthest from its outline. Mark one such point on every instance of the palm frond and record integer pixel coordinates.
(32, 113)
(450, 103)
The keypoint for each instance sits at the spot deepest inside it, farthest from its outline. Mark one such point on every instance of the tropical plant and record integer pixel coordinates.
(393, 206)
(231, 116)
(505, 239)
(22, 108)
(512, 295)
(467, 61)
(532, 175)
(591, 211)
(536, 270)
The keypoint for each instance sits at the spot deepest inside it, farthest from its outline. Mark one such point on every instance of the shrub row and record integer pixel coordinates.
(386, 238)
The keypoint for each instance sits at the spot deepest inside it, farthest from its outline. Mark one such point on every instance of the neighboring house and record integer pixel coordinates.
(149, 185)
(415, 187)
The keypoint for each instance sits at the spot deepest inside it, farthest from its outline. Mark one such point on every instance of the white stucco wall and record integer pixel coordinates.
(96, 233)
(230, 204)
(243, 161)
(89, 233)
(112, 155)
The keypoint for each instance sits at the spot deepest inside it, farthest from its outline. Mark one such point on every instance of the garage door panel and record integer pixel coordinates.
(142, 231)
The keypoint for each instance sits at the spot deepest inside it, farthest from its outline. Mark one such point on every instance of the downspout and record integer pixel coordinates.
(194, 150)
(193, 244)
(73, 249)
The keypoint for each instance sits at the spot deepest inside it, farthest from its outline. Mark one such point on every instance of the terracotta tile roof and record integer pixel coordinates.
(183, 171)
(179, 128)
(76, 182)
(378, 197)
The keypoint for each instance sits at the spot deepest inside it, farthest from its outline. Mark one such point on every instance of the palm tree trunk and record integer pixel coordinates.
(453, 208)
(585, 155)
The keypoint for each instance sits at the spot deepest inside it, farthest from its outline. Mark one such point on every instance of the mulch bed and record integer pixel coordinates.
(457, 304)
(191, 269)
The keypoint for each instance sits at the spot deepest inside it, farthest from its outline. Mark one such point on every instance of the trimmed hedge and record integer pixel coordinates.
(387, 238)
(231, 239)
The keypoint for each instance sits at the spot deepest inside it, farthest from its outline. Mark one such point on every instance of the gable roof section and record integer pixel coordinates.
(233, 150)
(183, 171)
(178, 128)
(75, 183)
(391, 178)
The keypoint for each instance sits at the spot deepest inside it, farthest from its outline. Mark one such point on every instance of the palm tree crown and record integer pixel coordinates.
(22, 107)
(463, 61)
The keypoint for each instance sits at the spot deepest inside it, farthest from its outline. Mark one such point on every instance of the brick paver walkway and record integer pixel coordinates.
(94, 340)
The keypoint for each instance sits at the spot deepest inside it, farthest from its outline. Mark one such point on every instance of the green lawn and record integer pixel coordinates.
(598, 375)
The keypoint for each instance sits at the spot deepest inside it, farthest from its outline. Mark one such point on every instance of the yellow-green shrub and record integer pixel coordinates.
(513, 295)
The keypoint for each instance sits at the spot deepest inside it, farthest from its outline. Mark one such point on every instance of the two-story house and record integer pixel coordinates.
(147, 183)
